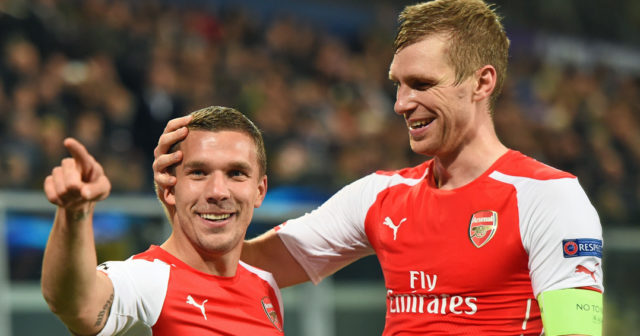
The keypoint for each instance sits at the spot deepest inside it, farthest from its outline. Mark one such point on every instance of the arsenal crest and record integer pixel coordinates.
(271, 312)
(482, 227)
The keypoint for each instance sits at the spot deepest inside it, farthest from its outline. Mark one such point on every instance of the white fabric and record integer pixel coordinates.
(333, 235)
(550, 211)
(139, 289)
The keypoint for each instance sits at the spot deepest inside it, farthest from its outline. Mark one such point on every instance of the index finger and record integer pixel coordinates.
(80, 154)
(176, 123)
(175, 131)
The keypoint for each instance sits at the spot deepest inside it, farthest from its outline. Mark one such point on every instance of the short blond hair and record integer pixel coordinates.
(476, 36)
(220, 118)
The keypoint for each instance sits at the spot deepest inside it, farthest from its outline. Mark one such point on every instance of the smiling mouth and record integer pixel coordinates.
(414, 125)
(214, 217)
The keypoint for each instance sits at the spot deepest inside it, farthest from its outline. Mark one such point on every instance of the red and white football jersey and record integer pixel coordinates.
(469, 261)
(157, 294)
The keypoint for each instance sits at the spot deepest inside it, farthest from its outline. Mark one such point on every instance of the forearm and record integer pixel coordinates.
(268, 252)
(70, 281)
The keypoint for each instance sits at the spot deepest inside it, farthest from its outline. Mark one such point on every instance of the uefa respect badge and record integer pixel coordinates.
(582, 247)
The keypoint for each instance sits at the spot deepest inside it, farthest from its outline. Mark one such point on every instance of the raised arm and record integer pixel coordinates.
(76, 292)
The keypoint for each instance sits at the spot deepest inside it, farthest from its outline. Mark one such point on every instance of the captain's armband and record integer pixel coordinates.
(571, 311)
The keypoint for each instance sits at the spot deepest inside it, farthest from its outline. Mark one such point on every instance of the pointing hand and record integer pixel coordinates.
(78, 180)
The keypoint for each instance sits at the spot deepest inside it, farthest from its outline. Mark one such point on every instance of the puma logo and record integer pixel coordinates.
(388, 222)
(582, 269)
(193, 302)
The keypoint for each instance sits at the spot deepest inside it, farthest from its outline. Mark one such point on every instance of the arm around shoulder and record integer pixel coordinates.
(269, 253)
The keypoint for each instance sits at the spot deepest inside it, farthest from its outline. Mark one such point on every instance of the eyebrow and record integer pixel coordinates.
(194, 164)
(421, 78)
(235, 165)
(239, 165)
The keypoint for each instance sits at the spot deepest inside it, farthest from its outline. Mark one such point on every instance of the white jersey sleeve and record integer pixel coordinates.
(333, 235)
(139, 289)
(560, 231)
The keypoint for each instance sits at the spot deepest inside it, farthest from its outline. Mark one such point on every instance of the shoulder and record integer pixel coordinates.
(154, 252)
(267, 280)
(362, 193)
(538, 184)
(140, 286)
(258, 273)
(415, 172)
(517, 164)
(383, 179)
(144, 272)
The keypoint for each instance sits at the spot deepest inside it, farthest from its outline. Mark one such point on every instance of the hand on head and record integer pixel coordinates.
(175, 131)
(78, 180)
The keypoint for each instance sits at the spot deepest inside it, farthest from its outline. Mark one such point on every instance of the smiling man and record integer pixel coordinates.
(192, 284)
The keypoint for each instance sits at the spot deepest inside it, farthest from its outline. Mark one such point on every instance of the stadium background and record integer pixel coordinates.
(313, 75)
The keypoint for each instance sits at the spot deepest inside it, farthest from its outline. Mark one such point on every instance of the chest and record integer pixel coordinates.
(439, 242)
(196, 305)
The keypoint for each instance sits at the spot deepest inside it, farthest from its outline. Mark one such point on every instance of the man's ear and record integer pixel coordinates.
(486, 78)
(262, 191)
(169, 196)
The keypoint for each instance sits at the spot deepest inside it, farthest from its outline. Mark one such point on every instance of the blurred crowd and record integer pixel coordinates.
(112, 73)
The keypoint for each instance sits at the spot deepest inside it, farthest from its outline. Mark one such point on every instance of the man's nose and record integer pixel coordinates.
(405, 100)
(217, 187)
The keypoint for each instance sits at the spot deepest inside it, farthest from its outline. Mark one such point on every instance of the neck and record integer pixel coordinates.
(215, 263)
(454, 170)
